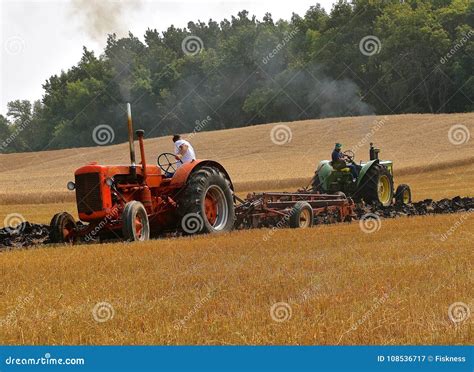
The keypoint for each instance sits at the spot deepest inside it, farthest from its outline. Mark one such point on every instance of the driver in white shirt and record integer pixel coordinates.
(183, 151)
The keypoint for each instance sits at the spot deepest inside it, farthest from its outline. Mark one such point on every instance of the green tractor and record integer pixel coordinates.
(374, 183)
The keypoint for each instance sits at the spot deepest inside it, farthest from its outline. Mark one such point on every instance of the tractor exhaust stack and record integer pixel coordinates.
(133, 165)
(140, 135)
(373, 152)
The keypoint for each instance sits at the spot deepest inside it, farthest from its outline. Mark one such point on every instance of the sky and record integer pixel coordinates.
(39, 38)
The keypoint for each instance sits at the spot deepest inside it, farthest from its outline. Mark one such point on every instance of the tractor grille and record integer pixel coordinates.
(88, 195)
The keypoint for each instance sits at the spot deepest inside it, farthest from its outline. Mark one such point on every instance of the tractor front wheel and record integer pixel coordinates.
(207, 205)
(403, 194)
(135, 224)
(62, 228)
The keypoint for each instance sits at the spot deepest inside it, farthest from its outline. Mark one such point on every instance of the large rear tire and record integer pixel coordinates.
(62, 228)
(135, 224)
(206, 204)
(377, 186)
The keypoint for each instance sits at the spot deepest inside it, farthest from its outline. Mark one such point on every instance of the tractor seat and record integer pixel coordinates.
(339, 166)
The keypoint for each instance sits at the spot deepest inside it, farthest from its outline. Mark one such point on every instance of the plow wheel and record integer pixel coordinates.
(63, 228)
(301, 216)
(207, 202)
(377, 186)
(135, 224)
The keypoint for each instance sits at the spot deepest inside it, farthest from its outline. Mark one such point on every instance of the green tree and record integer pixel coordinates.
(247, 71)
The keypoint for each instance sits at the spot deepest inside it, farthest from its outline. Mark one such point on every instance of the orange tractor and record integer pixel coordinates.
(136, 201)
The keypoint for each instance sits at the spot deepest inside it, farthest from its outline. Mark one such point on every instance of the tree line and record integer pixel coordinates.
(363, 57)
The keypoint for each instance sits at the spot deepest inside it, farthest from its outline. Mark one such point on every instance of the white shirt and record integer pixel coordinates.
(188, 155)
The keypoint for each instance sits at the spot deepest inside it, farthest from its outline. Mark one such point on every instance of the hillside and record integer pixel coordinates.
(418, 144)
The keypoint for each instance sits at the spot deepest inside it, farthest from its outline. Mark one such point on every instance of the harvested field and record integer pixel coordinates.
(332, 284)
(343, 286)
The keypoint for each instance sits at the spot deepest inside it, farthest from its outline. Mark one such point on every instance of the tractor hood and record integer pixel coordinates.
(112, 170)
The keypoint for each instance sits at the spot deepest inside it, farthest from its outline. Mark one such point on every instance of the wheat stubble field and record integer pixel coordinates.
(337, 284)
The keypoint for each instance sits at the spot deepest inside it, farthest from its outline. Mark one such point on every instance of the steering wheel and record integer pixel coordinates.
(349, 154)
(167, 162)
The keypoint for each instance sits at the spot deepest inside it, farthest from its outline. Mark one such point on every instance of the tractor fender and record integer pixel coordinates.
(324, 171)
(365, 169)
(182, 174)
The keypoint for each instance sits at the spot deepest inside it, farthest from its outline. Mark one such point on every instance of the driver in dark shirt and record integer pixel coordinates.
(338, 161)
(337, 154)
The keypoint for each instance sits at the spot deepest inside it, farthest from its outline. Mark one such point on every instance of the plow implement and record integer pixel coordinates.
(292, 209)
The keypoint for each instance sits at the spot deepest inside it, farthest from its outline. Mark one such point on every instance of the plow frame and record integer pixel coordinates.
(269, 208)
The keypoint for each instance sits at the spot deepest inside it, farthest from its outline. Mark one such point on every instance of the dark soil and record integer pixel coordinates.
(28, 234)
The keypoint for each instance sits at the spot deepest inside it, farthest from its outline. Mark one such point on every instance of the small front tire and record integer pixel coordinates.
(403, 195)
(135, 224)
(62, 228)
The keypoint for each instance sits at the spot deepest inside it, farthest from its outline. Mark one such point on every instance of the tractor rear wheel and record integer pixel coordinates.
(62, 227)
(377, 186)
(301, 216)
(403, 194)
(135, 224)
(206, 204)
